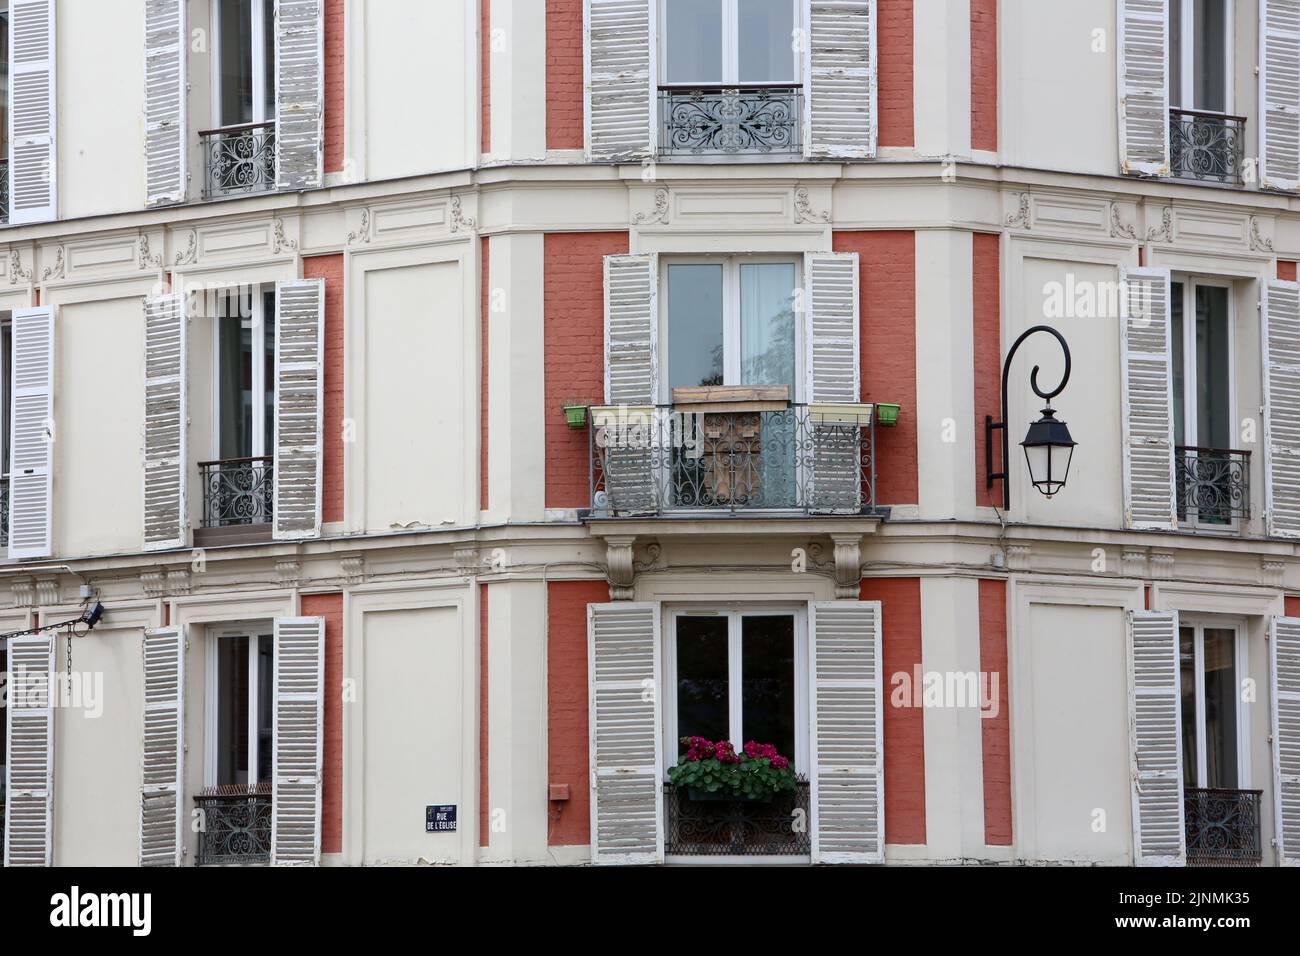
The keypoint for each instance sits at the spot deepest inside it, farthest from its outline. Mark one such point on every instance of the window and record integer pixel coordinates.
(1200, 55)
(1210, 659)
(245, 350)
(241, 668)
(732, 322)
(737, 675)
(244, 58)
(728, 42)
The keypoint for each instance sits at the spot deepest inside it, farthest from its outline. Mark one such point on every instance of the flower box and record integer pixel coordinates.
(886, 414)
(712, 771)
(700, 795)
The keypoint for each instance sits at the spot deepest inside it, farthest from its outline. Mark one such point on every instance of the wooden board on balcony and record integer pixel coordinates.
(733, 398)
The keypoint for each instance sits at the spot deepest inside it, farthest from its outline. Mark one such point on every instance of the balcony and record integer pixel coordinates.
(778, 827)
(238, 160)
(728, 459)
(1213, 485)
(1206, 147)
(730, 121)
(1222, 827)
(236, 825)
(238, 500)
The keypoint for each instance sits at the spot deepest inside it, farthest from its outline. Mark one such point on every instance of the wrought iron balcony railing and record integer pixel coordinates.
(238, 159)
(1222, 827)
(237, 491)
(808, 459)
(1207, 147)
(1213, 484)
(236, 825)
(730, 121)
(736, 827)
(4, 512)
(4, 191)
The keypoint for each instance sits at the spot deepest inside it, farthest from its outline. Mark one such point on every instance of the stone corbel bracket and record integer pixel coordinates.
(620, 565)
(848, 566)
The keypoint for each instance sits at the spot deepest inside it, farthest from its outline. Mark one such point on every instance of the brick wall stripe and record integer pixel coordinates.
(1286, 270)
(894, 59)
(485, 75)
(330, 268)
(987, 313)
(984, 74)
(484, 395)
(564, 74)
(330, 607)
(335, 83)
(484, 815)
(996, 731)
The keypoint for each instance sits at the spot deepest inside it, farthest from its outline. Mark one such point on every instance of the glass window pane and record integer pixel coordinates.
(1209, 59)
(268, 379)
(1187, 684)
(766, 55)
(235, 374)
(1175, 52)
(4, 83)
(767, 324)
(235, 49)
(265, 708)
(1179, 358)
(703, 707)
(1220, 708)
(4, 737)
(268, 60)
(767, 679)
(232, 710)
(694, 325)
(6, 350)
(1213, 401)
(693, 30)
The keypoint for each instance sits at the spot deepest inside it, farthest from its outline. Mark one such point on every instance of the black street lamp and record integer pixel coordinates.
(1048, 445)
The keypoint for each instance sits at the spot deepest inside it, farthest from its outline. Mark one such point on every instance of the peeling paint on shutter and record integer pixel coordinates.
(296, 747)
(29, 784)
(1155, 739)
(165, 422)
(32, 166)
(162, 810)
(840, 80)
(1144, 87)
(847, 731)
(833, 377)
(31, 431)
(299, 93)
(164, 101)
(1280, 317)
(1279, 94)
(632, 381)
(1147, 403)
(299, 348)
(620, 103)
(1284, 673)
(626, 750)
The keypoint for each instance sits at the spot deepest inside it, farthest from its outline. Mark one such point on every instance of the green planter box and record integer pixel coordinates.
(722, 796)
(886, 414)
(576, 415)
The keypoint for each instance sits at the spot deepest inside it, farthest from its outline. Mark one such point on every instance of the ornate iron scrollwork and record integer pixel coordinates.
(1222, 826)
(737, 827)
(730, 120)
(236, 825)
(237, 491)
(1213, 484)
(1206, 146)
(238, 159)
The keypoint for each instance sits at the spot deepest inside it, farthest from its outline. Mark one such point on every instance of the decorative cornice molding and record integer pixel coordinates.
(1258, 243)
(459, 220)
(55, 271)
(280, 241)
(178, 582)
(24, 592)
(1120, 229)
(362, 232)
(658, 214)
(803, 211)
(1165, 233)
(47, 591)
(1021, 216)
(1272, 572)
(354, 567)
(153, 582)
(289, 571)
(191, 250)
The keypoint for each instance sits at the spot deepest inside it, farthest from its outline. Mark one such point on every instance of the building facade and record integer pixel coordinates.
(453, 404)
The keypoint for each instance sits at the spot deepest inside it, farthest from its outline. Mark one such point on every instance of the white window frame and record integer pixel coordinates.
(734, 612)
(261, 447)
(255, 633)
(1190, 283)
(730, 317)
(1241, 669)
(260, 28)
(1186, 58)
(730, 49)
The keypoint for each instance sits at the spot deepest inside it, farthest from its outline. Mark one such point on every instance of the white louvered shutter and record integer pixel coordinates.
(297, 740)
(1147, 402)
(299, 403)
(32, 124)
(840, 80)
(29, 787)
(164, 101)
(1144, 87)
(626, 750)
(1281, 337)
(1155, 739)
(847, 730)
(31, 433)
(1284, 674)
(299, 93)
(632, 379)
(162, 810)
(833, 377)
(165, 422)
(619, 105)
(1279, 94)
